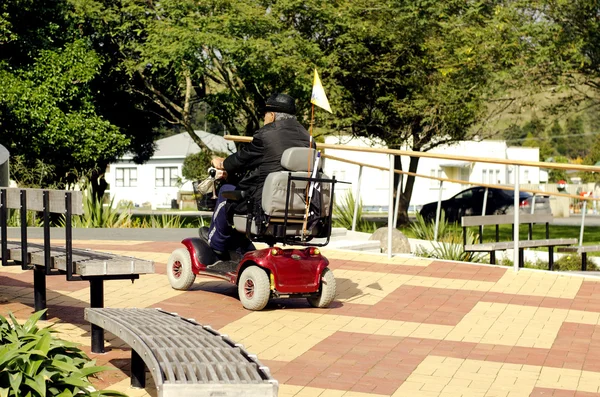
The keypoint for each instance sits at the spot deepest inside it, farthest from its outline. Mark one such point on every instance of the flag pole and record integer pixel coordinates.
(307, 193)
(310, 133)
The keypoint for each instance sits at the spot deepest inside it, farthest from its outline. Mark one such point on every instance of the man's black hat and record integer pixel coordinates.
(281, 103)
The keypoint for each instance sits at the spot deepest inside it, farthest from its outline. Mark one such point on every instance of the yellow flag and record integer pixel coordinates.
(318, 96)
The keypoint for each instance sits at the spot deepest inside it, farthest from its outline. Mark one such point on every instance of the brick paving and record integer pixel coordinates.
(401, 327)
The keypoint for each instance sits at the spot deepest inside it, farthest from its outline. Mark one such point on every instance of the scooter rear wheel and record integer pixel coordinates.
(179, 269)
(327, 291)
(254, 288)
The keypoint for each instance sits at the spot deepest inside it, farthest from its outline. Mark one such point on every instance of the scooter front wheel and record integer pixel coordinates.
(179, 269)
(254, 288)
(326, 292)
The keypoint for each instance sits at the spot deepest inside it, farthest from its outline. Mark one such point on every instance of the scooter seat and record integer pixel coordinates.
(274, 227)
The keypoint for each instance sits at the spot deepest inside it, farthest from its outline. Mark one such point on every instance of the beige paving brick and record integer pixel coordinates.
(527, 282)
(508, 378)
(297, 333)
(124, 386)
(376, 258)
(510, 325)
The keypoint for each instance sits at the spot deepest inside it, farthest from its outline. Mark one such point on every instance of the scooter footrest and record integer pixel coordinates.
(223, 266)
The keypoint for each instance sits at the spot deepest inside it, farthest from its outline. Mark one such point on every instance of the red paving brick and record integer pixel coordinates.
(358, 362)
(418, 304)
(435, 269)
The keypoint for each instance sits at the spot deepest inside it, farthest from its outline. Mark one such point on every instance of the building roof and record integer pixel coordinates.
(182, 145)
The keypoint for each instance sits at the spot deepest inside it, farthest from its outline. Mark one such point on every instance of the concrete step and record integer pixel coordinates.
(355, 245)
(338, 232)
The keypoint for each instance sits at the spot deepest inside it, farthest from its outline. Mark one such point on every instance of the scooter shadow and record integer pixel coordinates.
(216, 287)
(346, 291)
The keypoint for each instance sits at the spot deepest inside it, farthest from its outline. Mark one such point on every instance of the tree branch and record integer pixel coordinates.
(159, 94)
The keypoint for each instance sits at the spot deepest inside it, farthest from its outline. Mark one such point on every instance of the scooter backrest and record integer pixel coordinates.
(274, 193)
(298, 159)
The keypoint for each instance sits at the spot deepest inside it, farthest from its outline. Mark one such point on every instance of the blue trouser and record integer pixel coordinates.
(220, 230)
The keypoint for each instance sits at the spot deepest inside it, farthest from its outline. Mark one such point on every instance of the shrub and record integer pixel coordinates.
(451, 248)
(14, 218)
(343, 213)
(425, 230)
(195, 166)
(564, 263)
(572, 262)
(450, 240)
(96, 214)
(34, 364)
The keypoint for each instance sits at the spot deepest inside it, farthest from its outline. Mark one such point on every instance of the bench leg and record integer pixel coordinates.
(550, 258)
(97, 300)
(521, 258)
(492, 257)
(39, 289)
(138, 371)
(584, 261)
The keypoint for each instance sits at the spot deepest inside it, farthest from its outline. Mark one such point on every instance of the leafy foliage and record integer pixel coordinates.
(572, 262)
(62, 102)
(425, 230)
(567, 262)
(195, 166)
(35, 364)
(14, 218)
(343, 213)
(450, 240)
(96, 214)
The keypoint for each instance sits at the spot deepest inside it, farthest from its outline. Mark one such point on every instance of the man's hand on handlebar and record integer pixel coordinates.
(217, 174)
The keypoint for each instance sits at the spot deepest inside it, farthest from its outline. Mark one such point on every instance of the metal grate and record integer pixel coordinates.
(181, 351)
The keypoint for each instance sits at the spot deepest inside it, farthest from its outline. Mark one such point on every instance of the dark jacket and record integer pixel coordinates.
(262, 156)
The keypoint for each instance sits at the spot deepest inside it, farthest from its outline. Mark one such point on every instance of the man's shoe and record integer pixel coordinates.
(203, 232)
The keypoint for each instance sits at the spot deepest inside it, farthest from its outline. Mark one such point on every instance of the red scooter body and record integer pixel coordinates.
(291, 271)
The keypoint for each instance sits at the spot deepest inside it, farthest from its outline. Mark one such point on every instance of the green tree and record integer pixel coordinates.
(181, 54)
(514, 134)
(555, 175)
(557, 139)
(195, 166)
(414, 74)
(575, 142)
(58, 104)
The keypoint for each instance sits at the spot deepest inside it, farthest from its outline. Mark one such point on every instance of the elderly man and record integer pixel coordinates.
(255, 161)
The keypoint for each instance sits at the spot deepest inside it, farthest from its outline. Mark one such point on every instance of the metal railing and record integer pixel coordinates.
(396, 152)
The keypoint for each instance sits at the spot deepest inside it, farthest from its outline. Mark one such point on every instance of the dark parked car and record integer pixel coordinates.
(499, 201)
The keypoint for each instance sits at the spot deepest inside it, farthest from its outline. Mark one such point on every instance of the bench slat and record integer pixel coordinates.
(580, 249)
(487, 220)
(504, 245)
(85, 262)
(35, 200)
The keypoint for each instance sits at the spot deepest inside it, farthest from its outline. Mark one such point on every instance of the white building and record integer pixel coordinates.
(156, 182)
(374, 186)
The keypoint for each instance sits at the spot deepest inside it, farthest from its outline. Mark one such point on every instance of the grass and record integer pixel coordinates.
(591, 234)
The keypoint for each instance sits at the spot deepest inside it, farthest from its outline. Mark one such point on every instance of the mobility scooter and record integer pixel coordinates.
(296, 210)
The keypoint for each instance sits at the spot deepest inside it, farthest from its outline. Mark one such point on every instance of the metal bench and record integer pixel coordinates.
(44, 259)
(185, 358)
(497, 220)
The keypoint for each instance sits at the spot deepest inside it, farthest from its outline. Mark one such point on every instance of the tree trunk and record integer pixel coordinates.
(407, 190)
(186, 114)
(98, 184)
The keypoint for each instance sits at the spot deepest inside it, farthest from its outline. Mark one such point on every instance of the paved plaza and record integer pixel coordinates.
(399, 327)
